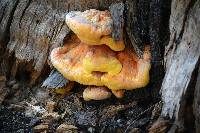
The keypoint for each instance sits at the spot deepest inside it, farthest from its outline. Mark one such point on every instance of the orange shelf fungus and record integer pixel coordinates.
(96, 93)
(93, 27)
(134, 73)
(101, 59)
(71, 61)
(118, 93)
(93, 57)
(83, 63)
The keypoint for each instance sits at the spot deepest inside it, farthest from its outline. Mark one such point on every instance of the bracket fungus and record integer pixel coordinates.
(83, 63)
(94, 27)
(85, 59)
(96, 93)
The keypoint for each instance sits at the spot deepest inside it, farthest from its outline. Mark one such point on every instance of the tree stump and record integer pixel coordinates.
(182, 56)
(31, 29)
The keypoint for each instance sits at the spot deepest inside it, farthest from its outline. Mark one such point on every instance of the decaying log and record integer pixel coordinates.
(6, 10)
(146, 23)
(36, 27)
(154, 38)
(30, 29)
(117, 14)
(181, 58)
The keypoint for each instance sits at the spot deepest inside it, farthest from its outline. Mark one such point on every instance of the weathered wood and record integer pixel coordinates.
(117, 14)
(55, 80)
(155, 27)
(31, 29)
(131, 25)
(146, 23)
(181, 58)
(7, 9)
(196, 106)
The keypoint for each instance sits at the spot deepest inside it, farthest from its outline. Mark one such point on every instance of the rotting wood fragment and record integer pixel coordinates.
(117, 13)
(55, 80)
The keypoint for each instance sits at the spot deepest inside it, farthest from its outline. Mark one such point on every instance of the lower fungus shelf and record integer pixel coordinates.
(101, 59)
(69, 60)
(96, 93)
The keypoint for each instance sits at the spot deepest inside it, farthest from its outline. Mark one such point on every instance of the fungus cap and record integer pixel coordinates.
(118, 93)
(134, 73)
(84, 64)
(101, 59)
(93, 27)
(96, 93)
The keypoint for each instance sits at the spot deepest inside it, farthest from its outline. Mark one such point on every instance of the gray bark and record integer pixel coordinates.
(31, 29)
(182, 60)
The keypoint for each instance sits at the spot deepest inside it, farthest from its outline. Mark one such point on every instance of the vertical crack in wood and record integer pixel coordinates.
(190, 5)
(6, 20)
(3, 8)
(7, 31)
(155, 43)
(23, 12)
(131, 28)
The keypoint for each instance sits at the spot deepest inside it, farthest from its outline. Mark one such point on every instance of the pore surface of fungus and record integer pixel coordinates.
(93, 27)
(85, 64)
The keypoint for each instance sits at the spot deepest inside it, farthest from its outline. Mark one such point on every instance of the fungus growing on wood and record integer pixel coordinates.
(83, 63)
(86, 60)
(96, 93)
(118, 93)
(134, 73)
(94, 27)
(71, 61)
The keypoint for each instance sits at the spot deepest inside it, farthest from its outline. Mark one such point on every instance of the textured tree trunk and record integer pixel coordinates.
(182, 59)
(30, 29)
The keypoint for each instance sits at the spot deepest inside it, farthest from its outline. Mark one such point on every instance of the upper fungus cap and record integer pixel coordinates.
(93, 27)
(85, 64)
